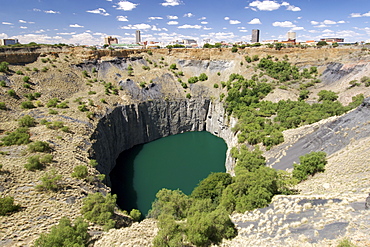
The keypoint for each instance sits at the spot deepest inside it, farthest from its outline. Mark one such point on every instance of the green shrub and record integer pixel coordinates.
(7, 206)
(193, 79)
(62, 105)
(39, 146)
(4, 67)
(80, 172)
(2, 84)
(55, 125)
(35, 69)
(82, 108)
(65, 129)
(234, 49)
(18, 137)
(346, 243)
(150, 52)
(53, 112)
(52, 102)
(99, 209)
(34, 163)
(65, 234)
(93, 163)
(310, 164)
(215, 85)
(135, 214)
(142, 84)
(203, 77)
(103, 101)
(327, 95)
(85, 74)
(91, 92)
(46, 159)
(26, 85)
(11, 93)
(26, 79)
(27, 121)
(2, 106)
(184, 85)
(173, 66)
(146, 67)
(188, 95)
(50, 181)
(19, 72)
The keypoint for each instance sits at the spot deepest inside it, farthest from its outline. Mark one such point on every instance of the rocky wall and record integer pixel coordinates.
(130, 125)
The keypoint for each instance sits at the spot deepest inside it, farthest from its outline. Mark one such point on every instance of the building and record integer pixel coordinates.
(255, 36)
(138, 37)
(8, 41)
(332, 40)
(109, 40)
(291, 36)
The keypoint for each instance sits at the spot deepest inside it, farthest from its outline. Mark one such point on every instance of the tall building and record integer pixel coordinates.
(255, 36)
(291, 35)
(138, 37)
(109, 40)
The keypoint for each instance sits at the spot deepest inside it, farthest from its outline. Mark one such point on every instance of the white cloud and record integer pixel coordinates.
(188, 15)
(171, 3)
(243, 31)
(99, 11)
(233, 22)
(202, 18)
(255, 21)
(126, 5)
(122, 18)
(51, 12)
(327, 31)
(40, 31)
(22, 27)
(341, 22)
(204, 22)
(37, 10)
(321, 26)
(187, 26)
(3, 36)
(283, 24)
(155, 18)
(172, 17)
(67, 33)
(75, 25)
(329, 22)
(172, 23)
(297, 28)
(22, 21)
(293, 8)
(354, 15)
(315, 22)
(137, 26)
(227, 18)
(6, 23)
(265, 5)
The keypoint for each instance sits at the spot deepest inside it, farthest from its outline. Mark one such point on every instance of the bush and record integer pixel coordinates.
(146, 67)
(50, 181)
(4, 67)
(52, 102)
(53, 112)
(82, 108)
(91, 92)
(215, 85)
(2, 84)
(19, 72)
(93, 163)
(65, 234)
(99, 209)
(193, 79)
(310, 164)
(80, 172)
(27, 105)
(188, 96)
(135, 214)
(327, 95)
(39, 146)
(34, 163)
(11, 93)
(203, 77)
(234, 49)
(26, 79)
(7, 205)
(173, 66)
(18, 137)
(2, 106)
(27, 121)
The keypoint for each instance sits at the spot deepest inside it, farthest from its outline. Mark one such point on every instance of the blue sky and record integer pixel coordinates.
(89, 21)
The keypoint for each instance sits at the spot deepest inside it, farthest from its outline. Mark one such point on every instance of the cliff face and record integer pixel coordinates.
(130, 125)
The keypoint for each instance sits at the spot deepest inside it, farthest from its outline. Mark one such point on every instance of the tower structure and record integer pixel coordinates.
(255, 35)
(291, 35)
(138, 37)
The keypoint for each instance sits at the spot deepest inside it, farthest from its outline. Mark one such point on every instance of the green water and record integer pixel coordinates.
(174, 162)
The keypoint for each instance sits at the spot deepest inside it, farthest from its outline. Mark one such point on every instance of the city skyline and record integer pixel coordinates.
(89, 23)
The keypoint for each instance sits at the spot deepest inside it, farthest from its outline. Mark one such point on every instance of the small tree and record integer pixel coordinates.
(65, 234)
(173, 66)
(39, 146)
(321, 43)
(7, 205)
(135, 214)
(310, 164)
(99, 209)
(4, 67)
(80, 172)
(203, 77)
(327, 95)
(26, 121)
(50, 181)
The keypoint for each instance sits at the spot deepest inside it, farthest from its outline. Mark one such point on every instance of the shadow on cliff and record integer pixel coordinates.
(122, 179)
